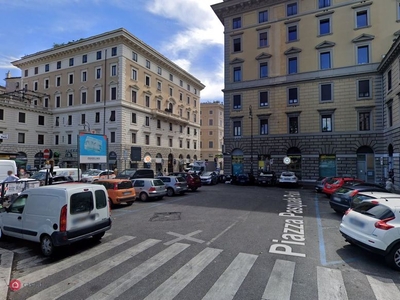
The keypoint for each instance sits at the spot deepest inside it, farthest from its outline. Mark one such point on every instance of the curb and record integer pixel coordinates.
(6, 258)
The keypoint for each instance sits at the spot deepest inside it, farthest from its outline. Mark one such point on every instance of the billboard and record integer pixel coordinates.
(92, 148)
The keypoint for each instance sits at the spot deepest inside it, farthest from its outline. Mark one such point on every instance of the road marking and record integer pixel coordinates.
(72, 260)
(124, 283)
(177, 282)
(330, 284)
(77, 280)
(280, 282)
(229, 282)
(181, 237)
(6, 260)
(22, 250)
(384, 289)
(30, 262)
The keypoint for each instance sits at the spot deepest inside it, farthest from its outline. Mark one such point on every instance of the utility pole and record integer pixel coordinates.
(251, 139)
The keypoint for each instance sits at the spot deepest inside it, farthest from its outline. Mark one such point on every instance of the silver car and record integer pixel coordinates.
(146, 188)
(175, 184)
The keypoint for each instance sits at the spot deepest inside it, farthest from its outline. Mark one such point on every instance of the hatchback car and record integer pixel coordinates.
(375, 226)
(332, 186)
(94, 174)
(319, 184)
(149, 188)
(288, 177)
(193, 180)
(209, 178)
(119, 191)
(267, 178)
(174, 184)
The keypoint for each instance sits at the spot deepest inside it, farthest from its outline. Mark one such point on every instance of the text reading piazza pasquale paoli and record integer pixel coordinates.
(292, 240)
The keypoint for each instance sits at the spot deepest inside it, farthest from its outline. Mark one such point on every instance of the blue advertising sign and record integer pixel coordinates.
(92, 148)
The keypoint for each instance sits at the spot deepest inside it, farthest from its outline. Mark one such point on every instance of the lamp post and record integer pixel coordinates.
(251, 139)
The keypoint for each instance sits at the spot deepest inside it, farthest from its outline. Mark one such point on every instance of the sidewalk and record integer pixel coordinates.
(6, 258)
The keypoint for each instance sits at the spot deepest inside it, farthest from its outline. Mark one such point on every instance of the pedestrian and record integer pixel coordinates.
(389, 185)
(11, 177)
(23, 173)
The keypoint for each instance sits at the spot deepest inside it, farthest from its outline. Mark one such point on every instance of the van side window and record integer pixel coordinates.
(18, 205)
(101, 199)
(81, 202)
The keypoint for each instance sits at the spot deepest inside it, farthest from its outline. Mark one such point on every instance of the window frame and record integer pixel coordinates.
(263, 64)
(237, 73)
(321, 19)
(263, 16)
(236, 22)
(290, 118)
(236, 45)
(237, 107)
(237, 128)
(289, 59)
(262, 125)
(321, 85)
(292, 5)
(369, 89)
(264, 103)
(363, 45)
(292, 101)
(369, 125)
(320, 54)
(329, 117)
(324, 3)
(288, 27)
(368, 17)
(260, 44)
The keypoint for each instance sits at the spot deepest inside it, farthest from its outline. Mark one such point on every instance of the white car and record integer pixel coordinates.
(288, 177)
(375, 226)
(94, 175)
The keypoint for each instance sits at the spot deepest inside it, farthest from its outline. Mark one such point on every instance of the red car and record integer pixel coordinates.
(193, 180)
(333, 185)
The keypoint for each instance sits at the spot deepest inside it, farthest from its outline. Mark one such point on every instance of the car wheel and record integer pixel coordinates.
(143, 197)
(194, 189)
(170, 192)
(97, 237)
(393, 258)
(46, 245)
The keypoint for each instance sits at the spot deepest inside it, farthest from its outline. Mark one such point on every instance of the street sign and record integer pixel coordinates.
(3, 136)
(46, 154)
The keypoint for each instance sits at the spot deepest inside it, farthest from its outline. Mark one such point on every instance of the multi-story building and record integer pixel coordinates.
(112, 84)
(305, 75)
(212, 132)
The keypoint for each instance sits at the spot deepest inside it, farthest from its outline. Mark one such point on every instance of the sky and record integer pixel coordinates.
(185, 31)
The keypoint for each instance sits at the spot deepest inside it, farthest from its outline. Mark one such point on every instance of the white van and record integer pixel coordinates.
(57, 215)
(5, 166)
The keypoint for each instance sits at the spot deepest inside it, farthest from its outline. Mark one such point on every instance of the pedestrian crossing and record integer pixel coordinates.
(278, 282)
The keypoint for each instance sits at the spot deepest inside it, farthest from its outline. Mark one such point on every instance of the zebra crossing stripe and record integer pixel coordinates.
(229, 282)
(280, 282)
(71, 261)
(77, 280)
(30, 262)
(177, 282)
(122, 284)
(22, 250)
(330, 284)
(384, 289)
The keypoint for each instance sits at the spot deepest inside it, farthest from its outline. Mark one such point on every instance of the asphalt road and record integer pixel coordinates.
(221, 242)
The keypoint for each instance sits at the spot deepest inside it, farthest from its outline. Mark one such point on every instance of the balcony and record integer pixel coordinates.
(168, 116)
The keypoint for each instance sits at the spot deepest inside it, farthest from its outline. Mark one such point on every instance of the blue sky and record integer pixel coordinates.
(185, 31)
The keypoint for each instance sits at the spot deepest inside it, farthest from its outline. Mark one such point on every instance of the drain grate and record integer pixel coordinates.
(166, 216)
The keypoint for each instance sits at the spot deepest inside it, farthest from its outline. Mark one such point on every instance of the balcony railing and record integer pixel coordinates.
(168, 115)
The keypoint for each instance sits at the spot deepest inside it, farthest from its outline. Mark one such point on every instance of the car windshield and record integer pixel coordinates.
(158, 182)
(377, 211)
(127, 172)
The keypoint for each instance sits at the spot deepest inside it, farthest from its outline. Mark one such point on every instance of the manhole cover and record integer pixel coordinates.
(166, 216)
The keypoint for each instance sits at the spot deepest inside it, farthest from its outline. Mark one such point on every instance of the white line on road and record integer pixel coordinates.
(181, 237)
(280, 282)
(384, 289)
(330, 284)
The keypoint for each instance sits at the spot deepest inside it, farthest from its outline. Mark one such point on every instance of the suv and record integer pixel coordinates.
(119, 191)
(149, 188)
(193, 180)
(174, 184)
(375, 226)
(136, 173)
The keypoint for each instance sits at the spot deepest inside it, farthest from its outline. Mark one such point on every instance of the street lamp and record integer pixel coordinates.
(251, 139)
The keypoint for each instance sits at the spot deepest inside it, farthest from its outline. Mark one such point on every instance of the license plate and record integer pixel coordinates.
(357, 222)
(336, 199)
(127, 193)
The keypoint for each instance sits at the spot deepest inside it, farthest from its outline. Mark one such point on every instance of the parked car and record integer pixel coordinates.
(343, 198)
(375, 226)
(119, 191)
(332, 186)
(243, 179)
(193, 180)
(174, 184)
(267, 178)
(136, 173)
(319, 184)
(94, 174)
(57, 215)
(209, 178)
(149, 188)
(288, 177)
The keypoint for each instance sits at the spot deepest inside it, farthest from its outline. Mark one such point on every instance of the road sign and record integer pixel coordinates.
(46, 154)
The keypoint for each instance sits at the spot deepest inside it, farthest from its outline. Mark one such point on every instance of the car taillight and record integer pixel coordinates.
(115, 186)
(382, 224)
(177, 183)
(152, 189)
(63, 219)
(347, 211)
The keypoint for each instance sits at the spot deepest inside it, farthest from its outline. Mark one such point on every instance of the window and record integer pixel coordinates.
(97, 95)
(159, 85)
(292, 65)
(147, 101)
(84, 58)
(263, 39)
(58, 65)
(263, 99)
(171, 77)
(398, 10)
(21, 117)
(324, 26)
(364, 121)
(83, 119)
(147, 80)
(237, 45)
(291, 9)
(69, 139)
(263, 70)
(97, 117)
(363, 54)
(58, 101)
(114, 70)
(170, 143)
(188, 130)
(40, 139)
(292, 33)
(46, 83)
(46, 67)
(46, 102)
(180, 129)
(114, 51)
(70, 99)
(362, 18)
(148, 64)
(390, 114)
(133, 118)
(56, 139)
(98, 73)
(237, 128)
(210, 122)
(293, 125)
(264, 126)
(210, 144)
(134, 74)
(364, 88)
(188, 87)
(326, 123)
(194, 145)
(133, 137)
(236, 23)
(69, 120)
(158, 124)
(71, 79)
(159, 106)
(1, 114)
(210, 133)
(147, 121)
(159, 71)
(58, 81)
(326, 92)
(237, 74)
(134, 56)
(21, 138)
(325, 60)
(292, 96)
(180, 144)
(263, 16)
(112, 116)
(112, 137)
(98, 55)
(188, 144)
(171, 91)
(113, 93)
(158, 141)
(181, 83)
(26, 73)
(57, 121)
(35, 86)
(40, 120)
(324, 3)
(71, 61)
(84, 76)
(389, 80)
(134, 96)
